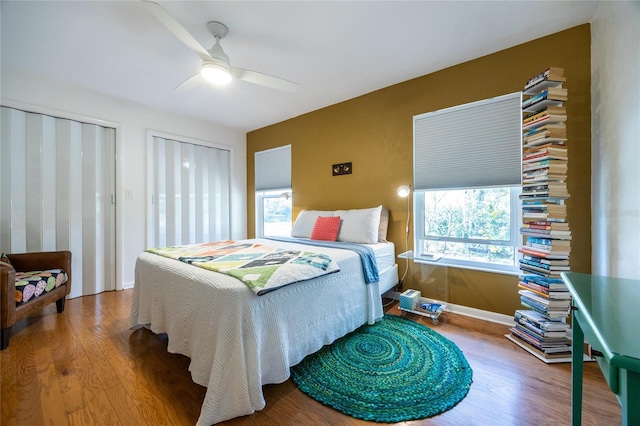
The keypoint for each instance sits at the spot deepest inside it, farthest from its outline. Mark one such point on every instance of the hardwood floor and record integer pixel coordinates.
(87, 367)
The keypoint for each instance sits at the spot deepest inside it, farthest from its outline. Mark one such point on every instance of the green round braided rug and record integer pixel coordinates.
(395, 370)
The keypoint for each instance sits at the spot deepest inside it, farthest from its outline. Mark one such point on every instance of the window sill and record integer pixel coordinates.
(439, 260)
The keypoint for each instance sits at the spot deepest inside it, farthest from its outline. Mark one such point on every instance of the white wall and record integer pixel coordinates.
(615, 116)
(38, 94)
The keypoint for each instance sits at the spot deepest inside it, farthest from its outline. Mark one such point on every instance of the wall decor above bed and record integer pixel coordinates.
(341, 169)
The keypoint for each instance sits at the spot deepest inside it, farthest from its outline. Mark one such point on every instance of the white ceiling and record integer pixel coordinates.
(334, 50)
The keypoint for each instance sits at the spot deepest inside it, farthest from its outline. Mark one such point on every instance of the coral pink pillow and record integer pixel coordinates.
(326, 228)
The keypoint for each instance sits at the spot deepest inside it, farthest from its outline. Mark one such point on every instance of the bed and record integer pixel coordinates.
(238, 341)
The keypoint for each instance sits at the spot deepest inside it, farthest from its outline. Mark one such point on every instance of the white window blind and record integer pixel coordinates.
(273, 169)
(469, 146)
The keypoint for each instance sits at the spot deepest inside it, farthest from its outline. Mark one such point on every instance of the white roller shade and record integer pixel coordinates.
(473, 145)
(273, 169)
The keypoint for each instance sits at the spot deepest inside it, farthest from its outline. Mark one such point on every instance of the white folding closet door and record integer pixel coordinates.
(189, 187)
(60, 177)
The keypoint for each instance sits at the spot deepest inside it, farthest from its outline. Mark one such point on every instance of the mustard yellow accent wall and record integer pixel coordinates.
(375, 132)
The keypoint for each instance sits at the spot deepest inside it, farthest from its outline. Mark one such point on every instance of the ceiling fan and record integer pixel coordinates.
(215, 66)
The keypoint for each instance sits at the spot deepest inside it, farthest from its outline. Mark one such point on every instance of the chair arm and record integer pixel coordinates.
(7, 296)
(39, 261)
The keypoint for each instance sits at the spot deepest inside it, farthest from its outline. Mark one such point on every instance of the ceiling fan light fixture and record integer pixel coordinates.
(216, 67)
(216, 74)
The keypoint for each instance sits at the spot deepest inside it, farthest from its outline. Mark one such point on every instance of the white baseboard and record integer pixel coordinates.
(482, 315)
(469, 312)
(128, 285)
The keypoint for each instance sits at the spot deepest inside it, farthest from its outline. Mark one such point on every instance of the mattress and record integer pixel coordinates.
(385, 255)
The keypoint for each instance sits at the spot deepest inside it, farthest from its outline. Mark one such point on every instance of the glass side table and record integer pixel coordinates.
(433, 271)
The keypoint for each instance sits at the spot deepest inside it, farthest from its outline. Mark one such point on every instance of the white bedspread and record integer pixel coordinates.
(238, 341)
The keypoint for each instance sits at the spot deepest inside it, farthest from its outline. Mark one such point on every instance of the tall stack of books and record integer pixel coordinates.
(542, 328)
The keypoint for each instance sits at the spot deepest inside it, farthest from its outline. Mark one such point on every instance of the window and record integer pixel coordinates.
(467, 173)
(275, 209)
(273, 192)
(476, 227)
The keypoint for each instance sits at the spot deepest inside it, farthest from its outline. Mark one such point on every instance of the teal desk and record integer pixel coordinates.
(606, 313)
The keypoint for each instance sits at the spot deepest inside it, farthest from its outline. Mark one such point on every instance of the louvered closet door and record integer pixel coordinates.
(59, 176)
(189, 187)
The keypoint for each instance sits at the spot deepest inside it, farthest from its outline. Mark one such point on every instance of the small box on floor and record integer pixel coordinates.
(409, 299)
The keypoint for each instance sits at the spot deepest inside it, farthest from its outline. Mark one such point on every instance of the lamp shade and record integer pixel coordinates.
(403, 191)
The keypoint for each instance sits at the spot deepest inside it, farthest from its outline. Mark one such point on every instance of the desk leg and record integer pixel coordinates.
(629, 397)
(577, 362)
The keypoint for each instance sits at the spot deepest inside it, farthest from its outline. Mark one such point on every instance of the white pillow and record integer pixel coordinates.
(384, 224)
(359, 225)
(362, 226)
(303, 226)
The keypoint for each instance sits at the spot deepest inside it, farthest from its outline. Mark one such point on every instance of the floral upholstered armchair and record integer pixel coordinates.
(30, 281)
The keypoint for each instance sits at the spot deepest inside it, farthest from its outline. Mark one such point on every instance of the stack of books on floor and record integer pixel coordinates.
(541, 328)
(546, 338)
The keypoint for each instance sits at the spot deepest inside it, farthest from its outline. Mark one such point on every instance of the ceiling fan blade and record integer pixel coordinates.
(264, 80)
(190, 83)
(178, 30)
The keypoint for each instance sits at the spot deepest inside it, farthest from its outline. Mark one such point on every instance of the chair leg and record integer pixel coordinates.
(60, 305)
(5, 332)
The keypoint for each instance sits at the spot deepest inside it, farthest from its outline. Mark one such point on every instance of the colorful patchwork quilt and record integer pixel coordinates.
(263, 268)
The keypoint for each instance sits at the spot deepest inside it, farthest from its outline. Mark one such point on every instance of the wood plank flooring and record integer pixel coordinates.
(87, 367)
